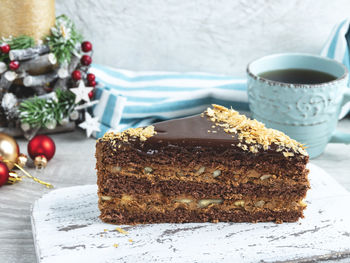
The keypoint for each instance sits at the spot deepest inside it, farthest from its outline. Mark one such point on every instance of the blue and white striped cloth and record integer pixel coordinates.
(133, 99)
(337, 47)
(140, 98)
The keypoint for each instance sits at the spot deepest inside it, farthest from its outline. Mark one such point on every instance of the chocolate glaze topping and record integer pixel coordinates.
(218, 128)
(195, 130)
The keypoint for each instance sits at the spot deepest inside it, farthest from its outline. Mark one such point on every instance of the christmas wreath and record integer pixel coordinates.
(45, 83)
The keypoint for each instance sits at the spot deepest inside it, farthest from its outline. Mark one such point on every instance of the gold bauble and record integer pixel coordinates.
(9, 150)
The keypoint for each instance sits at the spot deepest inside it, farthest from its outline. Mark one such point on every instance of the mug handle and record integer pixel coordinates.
(338, 136)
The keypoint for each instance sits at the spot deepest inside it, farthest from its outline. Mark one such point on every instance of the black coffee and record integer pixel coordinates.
(298, 76)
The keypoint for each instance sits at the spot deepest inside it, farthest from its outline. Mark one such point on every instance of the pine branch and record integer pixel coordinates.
(37, 112)
(21, 42)
(63, 39)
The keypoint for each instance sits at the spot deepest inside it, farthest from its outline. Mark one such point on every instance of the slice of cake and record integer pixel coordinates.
(218, 166)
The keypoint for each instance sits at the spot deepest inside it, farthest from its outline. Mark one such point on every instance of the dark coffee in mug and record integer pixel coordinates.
(307, 112)
(298, 76)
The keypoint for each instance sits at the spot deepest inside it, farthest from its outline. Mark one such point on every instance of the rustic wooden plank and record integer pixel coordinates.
(67, 229)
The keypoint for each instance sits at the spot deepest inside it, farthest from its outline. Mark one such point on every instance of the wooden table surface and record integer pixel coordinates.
(74, 164)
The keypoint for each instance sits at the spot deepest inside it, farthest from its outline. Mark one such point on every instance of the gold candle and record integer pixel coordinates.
(26, 17)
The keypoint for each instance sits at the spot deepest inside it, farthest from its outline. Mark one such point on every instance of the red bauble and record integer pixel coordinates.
(86, 46)
(76, 75)
(4, 173)
(14, 65)
(90, 77)
(86, 60)
(5, 48)
(41, 145)
(91, 94)
(92, 83)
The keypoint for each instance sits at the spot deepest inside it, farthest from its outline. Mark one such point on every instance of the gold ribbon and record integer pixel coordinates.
(48, 185)
(26, 17)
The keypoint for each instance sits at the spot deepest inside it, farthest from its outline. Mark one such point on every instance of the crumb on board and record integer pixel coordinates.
(121, 231)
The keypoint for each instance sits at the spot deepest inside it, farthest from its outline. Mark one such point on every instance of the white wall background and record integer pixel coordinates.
(219, 36)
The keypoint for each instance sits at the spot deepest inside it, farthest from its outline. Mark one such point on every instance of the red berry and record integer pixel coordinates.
(90, 77)
(14, 65)
(92, 83)
(91, 94)
(5, 48)
(86, 60)
(86, 46)
(76, 75)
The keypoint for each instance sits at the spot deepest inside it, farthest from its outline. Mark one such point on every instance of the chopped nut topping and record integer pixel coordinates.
(142, 133)
(288, 154)
(252, 132)
(245, 147)
(253, 149)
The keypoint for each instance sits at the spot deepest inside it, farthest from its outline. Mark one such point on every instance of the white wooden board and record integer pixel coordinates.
(66, 229)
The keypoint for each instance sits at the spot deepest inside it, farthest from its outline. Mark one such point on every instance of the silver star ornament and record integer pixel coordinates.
(81, 92)
(90, 124)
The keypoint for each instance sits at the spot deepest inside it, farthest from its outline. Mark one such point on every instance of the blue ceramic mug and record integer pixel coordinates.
(308, 113)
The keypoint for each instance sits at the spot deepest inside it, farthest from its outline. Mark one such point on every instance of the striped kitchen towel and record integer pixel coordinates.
(337, 47)
(133, 99)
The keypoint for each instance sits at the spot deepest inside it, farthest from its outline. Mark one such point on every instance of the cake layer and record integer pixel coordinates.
(112, 185)
(181, 215)
(164, 203)
(122, 154)
(203, 174)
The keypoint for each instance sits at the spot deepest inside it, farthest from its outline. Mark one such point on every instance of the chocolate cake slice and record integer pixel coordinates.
(218, 166)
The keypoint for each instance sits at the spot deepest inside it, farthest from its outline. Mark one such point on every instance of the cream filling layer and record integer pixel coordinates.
(205, 174)
(160, 202)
